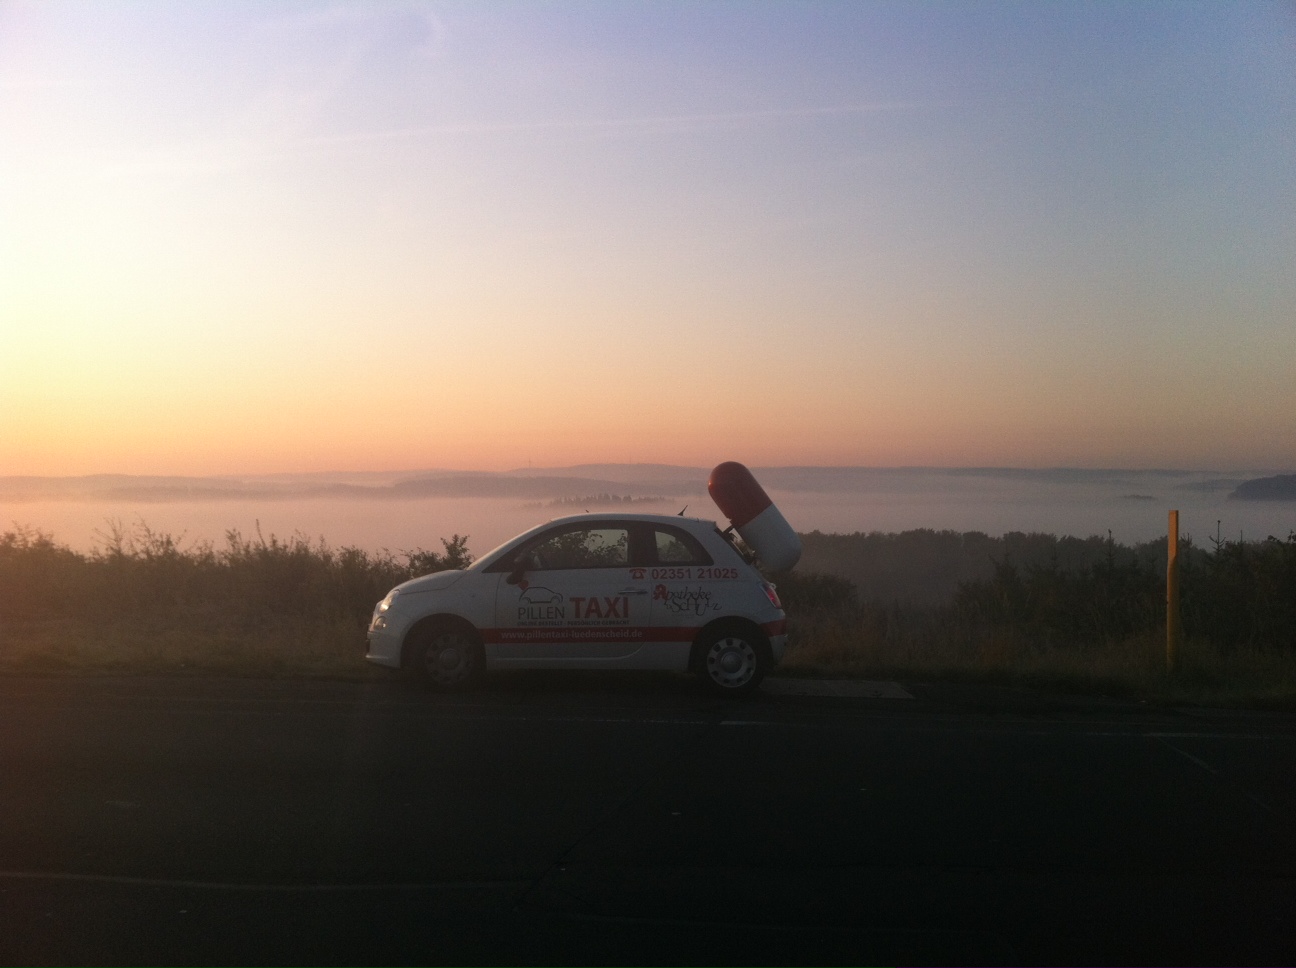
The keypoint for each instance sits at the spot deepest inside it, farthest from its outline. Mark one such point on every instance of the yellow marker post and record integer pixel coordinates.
(1172, 592)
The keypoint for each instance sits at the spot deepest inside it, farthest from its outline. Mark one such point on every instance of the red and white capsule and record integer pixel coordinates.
(754, 516)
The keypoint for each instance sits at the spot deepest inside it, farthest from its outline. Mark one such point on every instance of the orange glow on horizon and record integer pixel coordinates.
(236, 240)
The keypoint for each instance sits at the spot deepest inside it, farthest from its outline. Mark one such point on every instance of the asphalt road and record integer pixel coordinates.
(588, 819)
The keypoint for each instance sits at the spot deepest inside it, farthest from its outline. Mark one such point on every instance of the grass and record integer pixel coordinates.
(1130, 668)
(142, 603)
(71, 647)
(1091, 627)
(821, 648)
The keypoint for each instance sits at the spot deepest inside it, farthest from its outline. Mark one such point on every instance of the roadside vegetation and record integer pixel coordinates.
(144, 601)
(1082, 615)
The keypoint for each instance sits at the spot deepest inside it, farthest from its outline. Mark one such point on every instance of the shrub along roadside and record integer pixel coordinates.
(143, 602)
(1094, 624)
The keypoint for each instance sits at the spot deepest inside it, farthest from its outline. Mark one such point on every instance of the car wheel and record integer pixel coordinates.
(449, 659)
(732, 661)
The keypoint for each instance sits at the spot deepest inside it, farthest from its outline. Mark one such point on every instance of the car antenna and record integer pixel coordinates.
(682, 510)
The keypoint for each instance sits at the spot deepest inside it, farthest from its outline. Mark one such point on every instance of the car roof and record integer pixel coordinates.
(631, 516)
(696, 525)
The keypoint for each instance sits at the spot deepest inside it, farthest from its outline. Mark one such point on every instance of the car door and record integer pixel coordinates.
(573, 601)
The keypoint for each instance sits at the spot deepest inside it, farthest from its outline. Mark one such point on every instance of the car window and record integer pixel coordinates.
(582, 548)
(675, 547)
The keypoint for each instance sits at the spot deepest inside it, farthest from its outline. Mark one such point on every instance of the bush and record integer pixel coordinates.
(1094, 603)
(145, 577)
(926, 568)
(1086, 613)
(1072, 620)
(1051, 590)
(1243, 594)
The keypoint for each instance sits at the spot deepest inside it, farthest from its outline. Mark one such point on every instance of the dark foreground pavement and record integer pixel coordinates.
(586, 819)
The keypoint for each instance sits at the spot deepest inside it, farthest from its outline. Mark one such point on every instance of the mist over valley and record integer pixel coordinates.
(416, 508)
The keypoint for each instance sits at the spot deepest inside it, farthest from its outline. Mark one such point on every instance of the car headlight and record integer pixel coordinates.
(379, 620)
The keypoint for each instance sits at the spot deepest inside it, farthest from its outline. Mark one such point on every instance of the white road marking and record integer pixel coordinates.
(1160, 737)
(1211, 735)
(235, 886)
(1263, 805)
(848, 688)
(1185, 754)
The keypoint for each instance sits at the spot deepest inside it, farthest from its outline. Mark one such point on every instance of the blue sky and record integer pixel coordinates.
(306, 236)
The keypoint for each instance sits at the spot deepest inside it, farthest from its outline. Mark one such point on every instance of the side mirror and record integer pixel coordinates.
(519, 569)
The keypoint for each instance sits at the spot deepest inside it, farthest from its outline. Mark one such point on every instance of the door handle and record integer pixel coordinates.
(633, 591)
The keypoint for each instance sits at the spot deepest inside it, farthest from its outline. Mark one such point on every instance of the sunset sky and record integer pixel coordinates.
(262, 237)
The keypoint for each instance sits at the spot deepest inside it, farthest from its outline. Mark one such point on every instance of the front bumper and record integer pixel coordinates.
(385, 648)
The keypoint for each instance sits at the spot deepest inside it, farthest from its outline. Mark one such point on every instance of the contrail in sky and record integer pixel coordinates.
(680, 120)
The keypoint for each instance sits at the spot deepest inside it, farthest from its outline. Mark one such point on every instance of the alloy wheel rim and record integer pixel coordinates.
(449, 661)
(731, 662)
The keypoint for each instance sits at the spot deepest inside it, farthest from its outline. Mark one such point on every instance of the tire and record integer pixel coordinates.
(448, 659)
(732, 660)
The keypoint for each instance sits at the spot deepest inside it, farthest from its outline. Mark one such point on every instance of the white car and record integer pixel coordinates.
(591, 591)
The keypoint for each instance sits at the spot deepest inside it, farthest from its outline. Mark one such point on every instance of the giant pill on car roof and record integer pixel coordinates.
(754, 516)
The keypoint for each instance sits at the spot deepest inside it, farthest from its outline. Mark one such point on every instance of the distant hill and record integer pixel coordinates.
(150, 489)
(693, 477)
(1281, 487)
(538, 486)
(580, 481)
